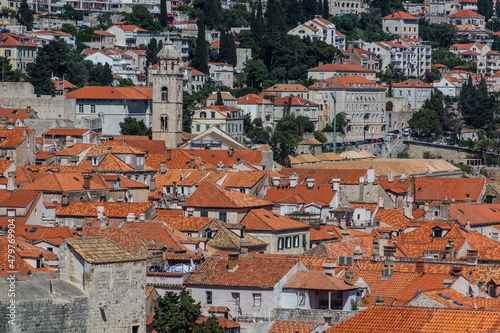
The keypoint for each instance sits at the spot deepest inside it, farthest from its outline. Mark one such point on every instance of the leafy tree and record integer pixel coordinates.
(443, 34)
(477, 105)
(141, 17)
(163, 13)
(7, 74)
(426, 121)
(227, 49)
(256, 132)
(341, 122)
(485, 8)
(25, 15)
(210, 12)
(282, 144)
(72, 13)
(320, 137)
(256, 72)
(211, 325)
(104, 20)
(131, 126)
(176, 313)
(39, 76)
(200, 59)
(152, 51)
(126, 83)
(69, 29)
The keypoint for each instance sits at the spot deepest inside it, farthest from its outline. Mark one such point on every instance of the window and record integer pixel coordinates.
(204, 213)
(212, 114)
(80, 108)
(164, 122)
(257, 299)
(11, 212)
(302, 299)
(164, 94)
(281, 242)
(135, 329)
(69, 223)
(197, 128)
(64, 161)
(203, 114)
(296, 241)
(236, 298)
(209, 297)
(223, 216)
(95, 161)
(92, 108)
(288, 242)
(128, 159)
(7, 53)
(304, 240)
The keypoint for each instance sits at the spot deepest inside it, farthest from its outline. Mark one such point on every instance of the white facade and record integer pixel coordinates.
(401, 24)
(320, 29)
(221, 74)
(415, 91)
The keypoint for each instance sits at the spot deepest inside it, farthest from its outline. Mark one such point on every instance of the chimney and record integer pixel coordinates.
(329, 267)
(310, 183)
(86, 180)
(361, 197)
(374, 257)
(426, 206)
(380, 202)
(471, 257)
(276, 181)
(11, 181)
(370, 176)
(419, 267)
(336, 184)
(142, 217)
(379, 300)
(100, 212)
(447, 283)
(349, 277)
(169, 154)
(388, 267)
(244, 247)
(345, 233)
(201, 167)
(163, 167)
(456, 270)
(174, 189)
(191, 163)
(389, 252)
(408, 208)
(230, 152)
(494, 235)
(152, 184)
(293, 180)
(449, 249)
(343, 222)
(191, 152)
(130, 217)
(220, 166)
(232, 263)
(390, 177)
(357, 254)
(104, 222)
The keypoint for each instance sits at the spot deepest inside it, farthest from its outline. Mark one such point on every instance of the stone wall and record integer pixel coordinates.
(416, 149)
(313, 316)
(21, 95)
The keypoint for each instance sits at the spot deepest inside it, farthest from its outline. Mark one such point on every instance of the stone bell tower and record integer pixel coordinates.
(167, 97)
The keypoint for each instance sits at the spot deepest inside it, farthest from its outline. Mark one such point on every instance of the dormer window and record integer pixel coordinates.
(95, 161)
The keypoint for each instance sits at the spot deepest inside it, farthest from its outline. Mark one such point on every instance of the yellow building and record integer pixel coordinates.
(20, 50)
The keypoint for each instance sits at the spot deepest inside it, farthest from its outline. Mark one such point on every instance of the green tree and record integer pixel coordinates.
(141, 17)
(227, 49)
(211, 325)
(151, 52)
(326, 9)
(73, 13)
(219, 100)
(200, 59)
(106, 75)
(163, 13)
(40, 76)
(341, 122)
(126, 83)
(25, 15)
(443, 34)
(256, 72)
(426, 121)
(320, 137)
(7, 74)
(131, 126)
(176, 313)
(485, 8)
(69, 29)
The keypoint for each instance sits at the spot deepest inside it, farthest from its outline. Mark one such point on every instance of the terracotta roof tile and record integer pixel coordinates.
(102, 250)
(281, 326)
(319, 193)
(111, 209)
(347, 67)
(111, 93)
(129, 239)
(399, 16)
(262, 219)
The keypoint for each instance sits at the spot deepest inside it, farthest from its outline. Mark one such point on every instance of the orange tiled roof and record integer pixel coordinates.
(325, 176)
(262, 219)
(466, 13)
(432, 189)
(107, 93)
(35, 232)
(392, 217)
(323, 194)
(252, 272)
(216, 196)
(350, 66)
(452, 297)
(129, 239)
(412, 83)
(415, 319)
(281, 326)
(286, 88)
(70, 181)
(111, 209)
(400, 15)
(318, 235)
(185, 223)
(12, 138)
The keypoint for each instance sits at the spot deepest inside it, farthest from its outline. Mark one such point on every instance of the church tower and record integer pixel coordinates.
(167, 97)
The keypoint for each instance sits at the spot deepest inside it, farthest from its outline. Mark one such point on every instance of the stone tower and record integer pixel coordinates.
(167, 97)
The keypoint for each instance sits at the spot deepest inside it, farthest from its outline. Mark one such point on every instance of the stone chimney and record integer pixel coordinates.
(379, 300)
(293, 180)
(335, 184)
(100, 212)
(456, 270)
(191, 163)
(390, 177)
(11, 181)
(447, 283)
(244, 247)
(374, 257)
(232, 262)
(163, 167)
(329, 267)
(370, 176)
(446, 208)
(86, 180)
(201, 167)
(426, 206)
(357, 254)
(343, 222)
(220, 166)
(349, 277)
(471, 257)
(152, 184)
(494, 234)
(419, 267)
(104, 222)
(169, 154)
(408, 209)
(230, 152)
(345, 233)
(390, 252)
(449, 249)
(276, 181)
(310, 183)
(142, 217)
(388, 267)
(130, 217)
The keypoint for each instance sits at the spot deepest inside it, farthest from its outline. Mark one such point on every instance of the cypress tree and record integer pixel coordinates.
(200, 59)
(227, 49)
(163, 13)
(219, 100)
(326, 9)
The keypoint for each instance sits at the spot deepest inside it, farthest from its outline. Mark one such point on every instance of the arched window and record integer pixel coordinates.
(164, 94)
(164, 122)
